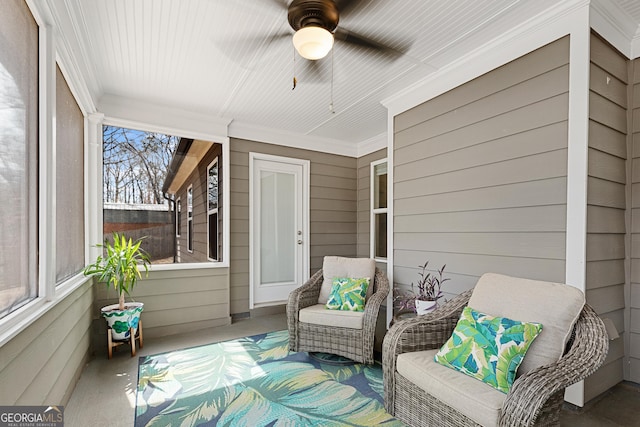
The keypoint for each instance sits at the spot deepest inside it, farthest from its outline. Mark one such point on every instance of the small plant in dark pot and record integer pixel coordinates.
(424, 295)
(118, 267)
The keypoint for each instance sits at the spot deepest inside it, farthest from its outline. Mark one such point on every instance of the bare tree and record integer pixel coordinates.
(135, 164)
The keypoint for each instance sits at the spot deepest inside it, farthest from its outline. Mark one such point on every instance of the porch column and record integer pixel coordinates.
(93, 184)
(577, 169)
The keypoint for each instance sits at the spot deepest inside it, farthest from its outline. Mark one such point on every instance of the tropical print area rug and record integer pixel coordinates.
(256, 381)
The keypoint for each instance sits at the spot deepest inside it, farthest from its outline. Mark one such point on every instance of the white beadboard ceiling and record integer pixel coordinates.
(223, 58)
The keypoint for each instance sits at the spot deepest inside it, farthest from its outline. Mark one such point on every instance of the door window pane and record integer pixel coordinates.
(277, 227)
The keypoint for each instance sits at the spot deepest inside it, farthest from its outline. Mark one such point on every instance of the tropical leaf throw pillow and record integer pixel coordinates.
(348, 294)
(488, 348)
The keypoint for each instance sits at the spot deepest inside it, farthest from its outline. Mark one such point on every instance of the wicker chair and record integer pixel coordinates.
(355, 344)
(535, 398)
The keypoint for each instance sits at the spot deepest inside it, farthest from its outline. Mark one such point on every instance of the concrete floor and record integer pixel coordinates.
(620, 406)
(105, 396)
(106, 393)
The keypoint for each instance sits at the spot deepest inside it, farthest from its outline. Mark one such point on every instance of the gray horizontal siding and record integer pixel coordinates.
(44, 361)
(634, 300)
(606, 201)
(480, 175)
(531, 65)
(175, 301)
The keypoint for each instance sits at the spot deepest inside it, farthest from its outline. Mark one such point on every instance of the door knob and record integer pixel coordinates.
(299, 242)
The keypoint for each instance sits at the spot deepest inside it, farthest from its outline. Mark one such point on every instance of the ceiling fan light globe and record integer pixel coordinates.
(313, 42)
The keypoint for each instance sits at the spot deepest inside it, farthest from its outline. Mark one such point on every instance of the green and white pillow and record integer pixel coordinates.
(348, 294)
(488, 348)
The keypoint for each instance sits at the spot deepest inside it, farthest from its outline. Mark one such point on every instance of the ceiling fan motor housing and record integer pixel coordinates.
(313, 13)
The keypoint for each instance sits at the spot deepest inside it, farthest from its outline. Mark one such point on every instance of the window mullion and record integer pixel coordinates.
(47, 165)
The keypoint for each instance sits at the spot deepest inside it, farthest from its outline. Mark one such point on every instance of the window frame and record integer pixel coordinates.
(50, 291)
(35, 158)
(211, 212)
(374, 212)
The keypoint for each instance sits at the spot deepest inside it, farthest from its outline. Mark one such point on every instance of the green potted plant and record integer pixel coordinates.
(119, 268)
(424, 295)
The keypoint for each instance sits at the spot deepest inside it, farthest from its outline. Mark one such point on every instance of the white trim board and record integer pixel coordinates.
(616, 26)
(635, 45)
(372, 144)
(290, 139)
(552, 24)
(577, 171)
(133, 114)
(390, 214)
(307, 142)
(45, 14)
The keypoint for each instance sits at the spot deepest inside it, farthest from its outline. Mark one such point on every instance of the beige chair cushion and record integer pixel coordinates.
(557, 306)
(320, 315)
(469, 396)
(356, 268)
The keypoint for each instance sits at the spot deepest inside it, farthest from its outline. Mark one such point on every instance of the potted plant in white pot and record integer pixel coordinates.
(119, 268)
(424, 295)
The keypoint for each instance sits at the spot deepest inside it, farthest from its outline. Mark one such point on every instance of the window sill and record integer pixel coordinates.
(187, 266)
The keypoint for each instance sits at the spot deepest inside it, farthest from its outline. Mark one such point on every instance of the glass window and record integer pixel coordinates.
(69, 182)
(147, 177)
(380, 186)
(178, 216)
(136, 164)
(18, 156)
(379, 204)
(380, 244)
(212, 210)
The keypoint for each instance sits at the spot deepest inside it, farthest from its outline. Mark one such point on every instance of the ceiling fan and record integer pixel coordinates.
(315, 23)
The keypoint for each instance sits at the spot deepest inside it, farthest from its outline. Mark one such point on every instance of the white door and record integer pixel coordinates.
(279, 231)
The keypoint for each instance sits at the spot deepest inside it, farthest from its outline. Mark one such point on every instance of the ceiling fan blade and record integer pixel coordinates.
(354, 39)
(236, 48)
(347, 6)
(282, 4)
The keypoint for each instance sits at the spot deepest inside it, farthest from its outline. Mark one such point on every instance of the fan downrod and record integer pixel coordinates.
(314, 13)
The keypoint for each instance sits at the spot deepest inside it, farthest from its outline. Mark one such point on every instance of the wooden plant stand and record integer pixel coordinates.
(132, 339)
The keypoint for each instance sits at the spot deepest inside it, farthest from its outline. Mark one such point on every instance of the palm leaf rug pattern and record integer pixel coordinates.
(256, 381)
